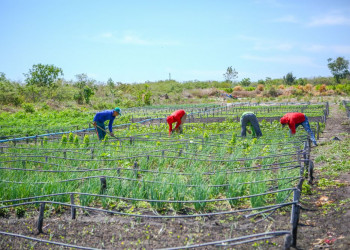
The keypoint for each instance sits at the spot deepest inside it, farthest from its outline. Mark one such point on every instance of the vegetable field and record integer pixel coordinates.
(146, 188)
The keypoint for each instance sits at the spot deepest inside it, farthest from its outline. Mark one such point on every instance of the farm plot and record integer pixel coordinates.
(154, 187)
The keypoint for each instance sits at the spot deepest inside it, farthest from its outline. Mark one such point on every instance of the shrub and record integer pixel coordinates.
(228, 90)
(281, 86)
(28, 108)
(64, 139)
(237, 88)
(4, 212)
(249, 88)
(86, 140)
(321, 88)
(20, 212)
(70, 137)
(273, 92)
(76, 141)
(308, 88)
(260, 87)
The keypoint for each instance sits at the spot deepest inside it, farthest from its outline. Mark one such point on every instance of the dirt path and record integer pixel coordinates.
(326, 222)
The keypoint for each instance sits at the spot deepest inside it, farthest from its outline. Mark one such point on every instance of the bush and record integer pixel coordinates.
(28, 108)
(249, 88)
(228, 90)
(308, 88)
(86, 140)
(237, 88)
(260, 87)
(4, 212)
(20, 212)
(321, 88)
(64, 139)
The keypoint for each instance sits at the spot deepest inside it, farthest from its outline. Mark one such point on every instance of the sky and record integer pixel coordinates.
(137, 41)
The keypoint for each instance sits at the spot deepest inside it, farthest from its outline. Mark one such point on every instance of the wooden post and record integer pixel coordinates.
(135, 169)
(41, 218)
(295, 217)
(103, 184)
(73, 209)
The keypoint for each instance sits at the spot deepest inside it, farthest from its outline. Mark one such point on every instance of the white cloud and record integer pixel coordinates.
(329, 20)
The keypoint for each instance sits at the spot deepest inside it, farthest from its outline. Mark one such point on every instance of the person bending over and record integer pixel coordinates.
(294, 120)
(249, 119)
(179, 117)
(99, 122)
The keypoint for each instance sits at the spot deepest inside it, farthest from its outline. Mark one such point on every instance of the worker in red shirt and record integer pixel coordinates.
(294, 120)
(179, 117)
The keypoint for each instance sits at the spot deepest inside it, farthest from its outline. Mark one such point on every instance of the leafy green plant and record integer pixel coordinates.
(20, 211)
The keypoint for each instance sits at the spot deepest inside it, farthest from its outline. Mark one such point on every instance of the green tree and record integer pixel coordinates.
(43, 75)
(339, 68)
(85, 86)
(289, 78)
(230, 74)
(2, 77)
(245, 82)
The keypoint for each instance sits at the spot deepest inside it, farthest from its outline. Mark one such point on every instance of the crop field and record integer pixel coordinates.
(146, 189)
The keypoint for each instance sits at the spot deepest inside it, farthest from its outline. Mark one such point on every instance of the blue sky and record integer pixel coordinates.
(137, 41)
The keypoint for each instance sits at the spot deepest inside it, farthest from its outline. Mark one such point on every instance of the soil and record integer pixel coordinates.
(324, 221)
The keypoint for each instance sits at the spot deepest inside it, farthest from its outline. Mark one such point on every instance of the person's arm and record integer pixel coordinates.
(170, 128)
(291, 125)
(95, 119)
(110, 124)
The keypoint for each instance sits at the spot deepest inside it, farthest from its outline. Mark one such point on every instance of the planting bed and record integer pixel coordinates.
(144, 189)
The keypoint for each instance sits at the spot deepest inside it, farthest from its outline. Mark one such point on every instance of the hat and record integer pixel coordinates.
(118, 110)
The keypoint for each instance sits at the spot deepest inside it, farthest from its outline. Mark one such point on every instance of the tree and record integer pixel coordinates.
(85, 86)
(289, 78)
(246, 82)
(230, 74)
(339, 68)
(43, 75)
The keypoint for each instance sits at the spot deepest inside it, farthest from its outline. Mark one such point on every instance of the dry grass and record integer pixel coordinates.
(260, 87)
(237, 88)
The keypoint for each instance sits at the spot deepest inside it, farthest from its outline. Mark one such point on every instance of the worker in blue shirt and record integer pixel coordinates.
(99, 121)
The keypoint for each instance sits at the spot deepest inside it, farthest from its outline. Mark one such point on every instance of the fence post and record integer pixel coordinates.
(103, 184)
(92, 153)
(41, 218)
(318, 130)
(73, 209)
(135, 169)
(295, 216)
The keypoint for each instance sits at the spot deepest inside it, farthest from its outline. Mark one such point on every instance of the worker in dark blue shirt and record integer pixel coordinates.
(99, 121)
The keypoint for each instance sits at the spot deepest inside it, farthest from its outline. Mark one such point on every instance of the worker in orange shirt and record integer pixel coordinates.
(296, 119)
(179, 117)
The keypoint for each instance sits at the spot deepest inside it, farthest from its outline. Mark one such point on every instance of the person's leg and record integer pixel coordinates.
(183, 120)
(255, 123)
(99, 128)
(244, 122)
(307, 128)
